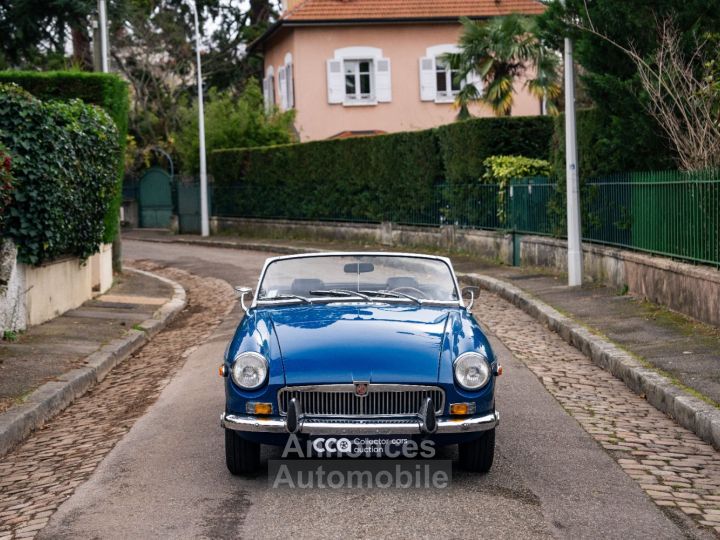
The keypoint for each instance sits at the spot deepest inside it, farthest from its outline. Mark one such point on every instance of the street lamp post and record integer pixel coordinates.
(574, 251)
(102, 15)
(204, 222)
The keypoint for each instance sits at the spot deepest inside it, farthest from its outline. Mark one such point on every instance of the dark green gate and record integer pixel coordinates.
(155, 199)
(189, 206)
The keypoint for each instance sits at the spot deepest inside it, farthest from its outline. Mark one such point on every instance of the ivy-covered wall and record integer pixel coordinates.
(64, 166)
(101, 89)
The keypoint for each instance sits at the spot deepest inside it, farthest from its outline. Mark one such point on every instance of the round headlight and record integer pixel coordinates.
(472, 371)
(249, 370)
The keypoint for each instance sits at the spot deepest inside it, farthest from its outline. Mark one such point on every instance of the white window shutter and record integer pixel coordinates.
(283, 88)
(335, 81)
(290, 86)
(475, 79)
(266, 93)
(428, 82)
(383, 80)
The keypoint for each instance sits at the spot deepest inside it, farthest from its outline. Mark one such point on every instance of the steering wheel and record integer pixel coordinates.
(411, 291)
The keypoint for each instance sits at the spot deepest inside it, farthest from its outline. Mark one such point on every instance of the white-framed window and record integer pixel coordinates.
(359, 76)
(447, 85)
(359, 80)
(269, 88)
(438, 82)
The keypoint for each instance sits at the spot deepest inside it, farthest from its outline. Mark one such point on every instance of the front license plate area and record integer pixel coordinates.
(358, 446)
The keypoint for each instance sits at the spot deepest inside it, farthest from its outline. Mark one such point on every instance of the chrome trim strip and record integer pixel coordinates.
(358, 427)
(253, 424)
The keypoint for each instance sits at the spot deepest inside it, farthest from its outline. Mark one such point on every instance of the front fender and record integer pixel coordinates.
(463, 334)
(255, 333)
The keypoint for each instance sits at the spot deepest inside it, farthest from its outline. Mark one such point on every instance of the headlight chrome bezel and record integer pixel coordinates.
(255, 359)
(478, 359)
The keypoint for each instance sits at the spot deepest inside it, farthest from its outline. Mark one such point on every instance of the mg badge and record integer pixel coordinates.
(361, 389)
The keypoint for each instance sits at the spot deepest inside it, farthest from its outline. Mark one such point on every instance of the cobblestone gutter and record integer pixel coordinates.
(52, 397)
(677, 470)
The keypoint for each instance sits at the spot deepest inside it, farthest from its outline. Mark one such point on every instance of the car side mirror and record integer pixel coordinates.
(242, 292)
(472, 292)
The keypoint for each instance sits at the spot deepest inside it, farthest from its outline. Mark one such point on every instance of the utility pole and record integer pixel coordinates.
(574, 242)
(204, 221)
(102, 15)
(105, 68)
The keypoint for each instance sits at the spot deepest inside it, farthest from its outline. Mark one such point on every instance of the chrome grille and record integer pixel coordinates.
(381, 400)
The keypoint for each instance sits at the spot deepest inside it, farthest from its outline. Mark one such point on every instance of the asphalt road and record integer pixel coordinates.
(167, 477)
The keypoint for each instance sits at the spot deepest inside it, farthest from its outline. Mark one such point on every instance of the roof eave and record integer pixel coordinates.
(290, 23)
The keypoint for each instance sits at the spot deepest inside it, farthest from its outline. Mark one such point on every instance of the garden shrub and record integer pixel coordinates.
(464, 146)
(65, 163)
(107, 91)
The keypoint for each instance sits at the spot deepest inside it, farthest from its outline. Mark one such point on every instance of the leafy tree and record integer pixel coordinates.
(501, 51)
(633, 138)
(34, 33)
(231, 122)
(152, 45)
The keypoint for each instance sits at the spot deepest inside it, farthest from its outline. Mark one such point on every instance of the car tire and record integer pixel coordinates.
(241, 456)
(477, 455)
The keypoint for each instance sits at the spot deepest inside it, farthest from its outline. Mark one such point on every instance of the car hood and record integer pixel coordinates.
(341, 343)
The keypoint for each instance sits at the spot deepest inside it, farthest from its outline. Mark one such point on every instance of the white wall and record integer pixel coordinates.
(35, 294)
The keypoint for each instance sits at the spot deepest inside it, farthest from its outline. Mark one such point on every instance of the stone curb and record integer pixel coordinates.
(687, 410)
(52, 397)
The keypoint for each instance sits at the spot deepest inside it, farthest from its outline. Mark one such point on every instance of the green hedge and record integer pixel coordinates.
(464, 146)
(351, 179)
(64, 162)
(601, 152)
(101, 89)
(386, 177)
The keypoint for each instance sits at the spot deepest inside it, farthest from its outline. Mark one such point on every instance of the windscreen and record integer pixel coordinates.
(384, 276)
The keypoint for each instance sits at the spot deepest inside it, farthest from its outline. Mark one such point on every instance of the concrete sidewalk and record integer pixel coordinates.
(49, 365)
(685, 351)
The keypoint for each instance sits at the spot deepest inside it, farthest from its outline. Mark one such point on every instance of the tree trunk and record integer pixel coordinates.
(82, 53)
(259, 11)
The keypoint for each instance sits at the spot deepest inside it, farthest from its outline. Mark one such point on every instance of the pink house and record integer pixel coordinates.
(352, 67)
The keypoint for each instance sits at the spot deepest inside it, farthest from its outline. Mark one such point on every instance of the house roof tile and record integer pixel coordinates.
(339, 10)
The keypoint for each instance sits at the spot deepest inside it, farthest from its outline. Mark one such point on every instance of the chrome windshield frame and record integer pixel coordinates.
(335, 299)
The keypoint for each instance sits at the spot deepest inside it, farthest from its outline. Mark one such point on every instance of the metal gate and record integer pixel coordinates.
(155, 199)
(188, 195)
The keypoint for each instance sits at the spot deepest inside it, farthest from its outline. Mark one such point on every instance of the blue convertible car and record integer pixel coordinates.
(359, 345)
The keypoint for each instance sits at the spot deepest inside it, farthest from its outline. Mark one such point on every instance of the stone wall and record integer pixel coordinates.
(31, 295)
(686, 288)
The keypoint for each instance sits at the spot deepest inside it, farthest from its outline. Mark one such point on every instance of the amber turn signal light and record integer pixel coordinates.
(499, 370)
(221, 370)
(462, 409)
(259, 408)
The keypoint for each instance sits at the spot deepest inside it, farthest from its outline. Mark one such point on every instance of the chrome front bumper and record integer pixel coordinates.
(314, 426)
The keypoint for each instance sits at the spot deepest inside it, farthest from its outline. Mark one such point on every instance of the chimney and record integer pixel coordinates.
(287, 5)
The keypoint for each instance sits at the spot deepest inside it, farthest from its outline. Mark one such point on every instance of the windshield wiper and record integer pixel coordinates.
(340, 292)
(394, 294)
(286, 297)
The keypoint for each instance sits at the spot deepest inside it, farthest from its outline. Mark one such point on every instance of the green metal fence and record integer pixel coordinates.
(675, 214)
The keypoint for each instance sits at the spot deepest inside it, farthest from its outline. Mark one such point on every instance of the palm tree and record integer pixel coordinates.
(500, 51)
